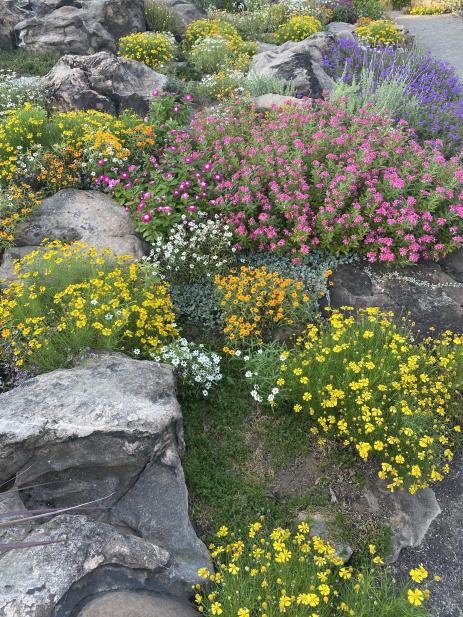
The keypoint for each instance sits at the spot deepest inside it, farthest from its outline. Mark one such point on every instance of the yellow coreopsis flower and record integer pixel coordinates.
(415, 597)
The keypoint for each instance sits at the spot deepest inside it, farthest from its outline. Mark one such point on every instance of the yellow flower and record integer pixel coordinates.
(284, 603)
(233, 569)
(415, 597)
(418, 574)
(308, 599)
(216, 608)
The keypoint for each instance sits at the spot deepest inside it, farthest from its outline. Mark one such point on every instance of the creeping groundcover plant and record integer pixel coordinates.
(301, 177)
(273, 572)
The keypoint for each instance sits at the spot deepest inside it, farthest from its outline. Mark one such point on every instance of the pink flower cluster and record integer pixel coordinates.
(305, 176)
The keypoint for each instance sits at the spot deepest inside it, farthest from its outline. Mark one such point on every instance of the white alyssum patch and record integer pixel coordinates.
(194, 250)
(194, 364)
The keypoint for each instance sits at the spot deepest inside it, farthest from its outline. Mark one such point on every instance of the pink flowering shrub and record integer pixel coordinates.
(304, 176)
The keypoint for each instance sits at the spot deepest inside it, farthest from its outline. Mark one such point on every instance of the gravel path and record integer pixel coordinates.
(440, 34)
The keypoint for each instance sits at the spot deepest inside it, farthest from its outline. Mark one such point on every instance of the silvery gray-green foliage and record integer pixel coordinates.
(197, 303)
(257, 85)
(387, 95)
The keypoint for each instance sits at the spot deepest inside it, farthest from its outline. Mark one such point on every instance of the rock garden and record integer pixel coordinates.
(231, 309)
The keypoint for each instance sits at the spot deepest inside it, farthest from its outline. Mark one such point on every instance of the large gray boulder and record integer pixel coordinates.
(441, 551)
(408, 516)
(102, 81)
(79, 26)
(110, 429)
(10, 15)
(300, 63)
(266, 102)
(431, 293)
(185, 12)
(342, 29)
(35, 580)
(136, 604)
(70, 215)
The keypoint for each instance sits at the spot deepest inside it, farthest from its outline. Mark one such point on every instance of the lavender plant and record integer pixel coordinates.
(416, 77)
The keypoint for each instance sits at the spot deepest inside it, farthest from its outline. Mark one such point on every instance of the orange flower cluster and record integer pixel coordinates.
(255, 301)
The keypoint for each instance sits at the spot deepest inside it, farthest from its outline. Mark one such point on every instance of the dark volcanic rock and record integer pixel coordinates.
(10, 15)
(299, 63)
(102, 81)
(428, 292)
(108, 428)
(79, 26)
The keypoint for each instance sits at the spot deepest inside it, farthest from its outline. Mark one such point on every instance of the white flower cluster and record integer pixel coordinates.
(194, 250)
(215, 85)
(15, 90)
(297, 7)
(194, 364)
(211, 53)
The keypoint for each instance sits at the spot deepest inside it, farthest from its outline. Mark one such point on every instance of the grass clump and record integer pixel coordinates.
(25, 62)
(160, 18)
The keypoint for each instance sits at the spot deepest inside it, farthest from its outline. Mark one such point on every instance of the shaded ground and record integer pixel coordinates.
(440, 34)
(442, 549)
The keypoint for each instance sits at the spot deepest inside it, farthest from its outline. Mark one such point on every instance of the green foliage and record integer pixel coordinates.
(28, 136)
(16, 203)
(344, 13)
(398, 5)
(257, 84)
(25, 62)
(289, 570)
(15, 91)
(372, 9)
(202, 28)
(160, 18)
(380, 33)
(210, 54)
(223, 476)
(252, 25)
(432, 8)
